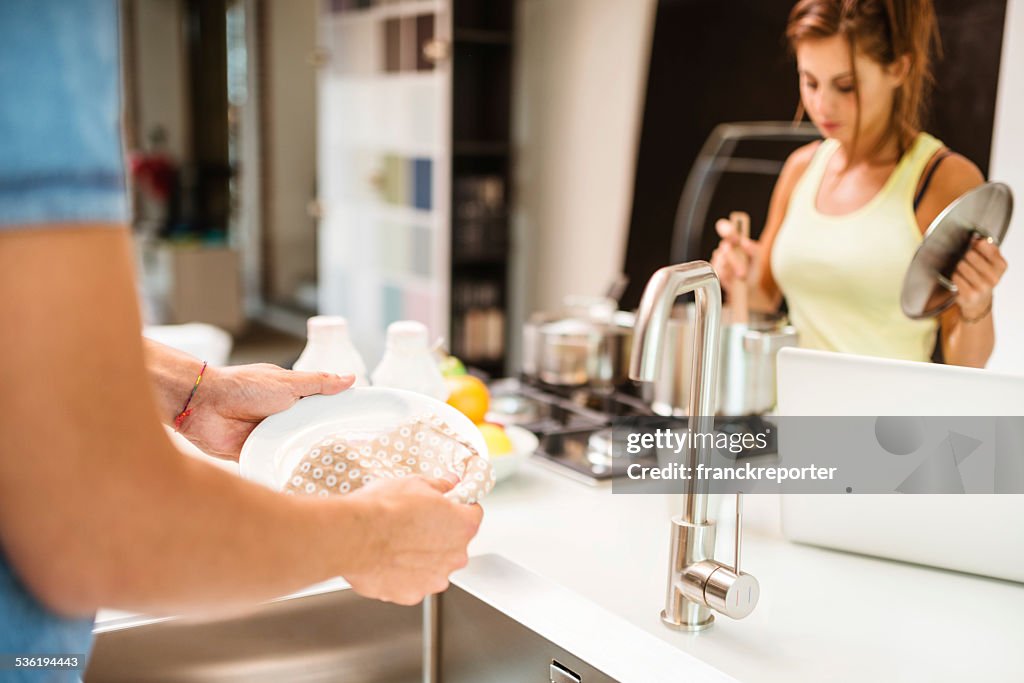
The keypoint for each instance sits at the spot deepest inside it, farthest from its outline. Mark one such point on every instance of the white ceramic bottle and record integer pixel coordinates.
(329, 349)
(408, 362)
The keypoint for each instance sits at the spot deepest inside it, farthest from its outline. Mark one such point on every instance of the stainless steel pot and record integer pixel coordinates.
(578, 351)
(531, 341)
(746, 383)
(747, 372)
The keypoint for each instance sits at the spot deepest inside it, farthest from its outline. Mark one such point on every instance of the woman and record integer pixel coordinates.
(848, 212)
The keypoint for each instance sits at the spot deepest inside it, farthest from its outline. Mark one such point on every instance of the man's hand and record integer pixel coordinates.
(412, 538)
(231, 401)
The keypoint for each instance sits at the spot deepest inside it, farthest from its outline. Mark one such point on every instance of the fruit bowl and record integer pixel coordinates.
(524, 443)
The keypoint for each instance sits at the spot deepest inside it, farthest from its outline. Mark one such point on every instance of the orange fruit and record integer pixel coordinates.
(468, 395)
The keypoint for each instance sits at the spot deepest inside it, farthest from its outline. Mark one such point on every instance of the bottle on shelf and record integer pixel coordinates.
(408, 362)
(329, 349)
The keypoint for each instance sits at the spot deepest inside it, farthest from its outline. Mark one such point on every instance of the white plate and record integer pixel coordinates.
(524, 443)
(276, 446)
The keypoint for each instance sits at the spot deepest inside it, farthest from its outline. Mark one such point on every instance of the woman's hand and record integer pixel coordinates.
(734, 255)
(231, 401)
(976, 276)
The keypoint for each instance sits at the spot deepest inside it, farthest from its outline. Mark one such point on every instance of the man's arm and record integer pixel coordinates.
(86, 522)
(171, 374)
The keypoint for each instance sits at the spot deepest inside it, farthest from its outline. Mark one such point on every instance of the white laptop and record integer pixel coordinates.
(980, 534)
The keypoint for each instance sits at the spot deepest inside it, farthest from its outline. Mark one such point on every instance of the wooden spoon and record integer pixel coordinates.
(739, 299)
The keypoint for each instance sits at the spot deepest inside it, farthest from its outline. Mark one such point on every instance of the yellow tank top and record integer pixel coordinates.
(842, 275)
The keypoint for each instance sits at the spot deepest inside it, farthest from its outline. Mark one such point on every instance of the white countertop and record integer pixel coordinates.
(823, 615)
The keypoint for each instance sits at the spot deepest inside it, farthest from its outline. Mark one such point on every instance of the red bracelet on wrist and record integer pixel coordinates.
(185, 410)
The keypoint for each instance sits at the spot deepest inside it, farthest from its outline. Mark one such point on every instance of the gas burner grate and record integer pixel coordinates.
(566, 422)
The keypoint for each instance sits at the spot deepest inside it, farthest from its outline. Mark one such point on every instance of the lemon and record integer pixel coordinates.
(497, 440)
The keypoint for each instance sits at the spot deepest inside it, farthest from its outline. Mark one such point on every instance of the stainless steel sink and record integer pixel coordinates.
(498, 623)
(334, 636)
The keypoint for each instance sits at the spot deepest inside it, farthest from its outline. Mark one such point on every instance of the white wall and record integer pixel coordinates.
(1008, 166)
(580, 79)
(290, 152)
(246, 232)
(160, 73)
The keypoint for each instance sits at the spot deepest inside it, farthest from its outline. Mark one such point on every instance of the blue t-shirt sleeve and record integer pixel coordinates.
(60, 138)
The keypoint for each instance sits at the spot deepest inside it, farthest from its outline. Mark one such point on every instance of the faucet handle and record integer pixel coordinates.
(733, 594)
(717, 586)
(720, 587)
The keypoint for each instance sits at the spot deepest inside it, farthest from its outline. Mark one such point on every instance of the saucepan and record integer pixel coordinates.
(746, 376)
(580, 347)
(749, 344)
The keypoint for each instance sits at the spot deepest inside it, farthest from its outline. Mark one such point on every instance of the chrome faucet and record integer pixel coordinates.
(697, 583)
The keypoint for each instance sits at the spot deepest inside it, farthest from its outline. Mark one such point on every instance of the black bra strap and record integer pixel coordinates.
(928, 175)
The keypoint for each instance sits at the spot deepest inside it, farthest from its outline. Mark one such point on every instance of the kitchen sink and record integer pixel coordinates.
(333, 636)
(498, 623)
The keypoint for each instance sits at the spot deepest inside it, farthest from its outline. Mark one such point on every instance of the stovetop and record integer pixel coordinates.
(574, 426)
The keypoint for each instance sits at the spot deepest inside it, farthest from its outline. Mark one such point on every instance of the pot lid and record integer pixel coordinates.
(984, 211)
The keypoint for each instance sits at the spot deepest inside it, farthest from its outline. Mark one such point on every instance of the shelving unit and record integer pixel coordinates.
(415, 170)
(481, 178)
